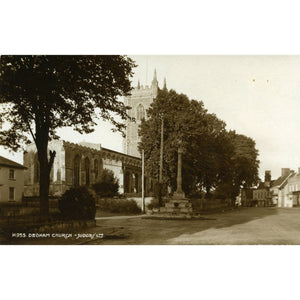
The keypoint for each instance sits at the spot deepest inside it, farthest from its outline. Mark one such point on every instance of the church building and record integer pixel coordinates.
(140, 99)
(81, 164)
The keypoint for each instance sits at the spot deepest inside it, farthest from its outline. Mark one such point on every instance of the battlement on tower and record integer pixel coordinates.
(139, 101)
(142, 91)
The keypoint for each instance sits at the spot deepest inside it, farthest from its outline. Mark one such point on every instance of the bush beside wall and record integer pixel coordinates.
(118, 206)
(77, 204)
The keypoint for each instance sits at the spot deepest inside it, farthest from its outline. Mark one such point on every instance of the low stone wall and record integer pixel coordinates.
(138, 200)
(35, 201)
(207, 205)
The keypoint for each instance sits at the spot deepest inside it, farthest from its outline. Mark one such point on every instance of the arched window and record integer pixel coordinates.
(127, 182)
(96, 168)
(140, 112)
(87, 171)
(76, 170)
(36, 169)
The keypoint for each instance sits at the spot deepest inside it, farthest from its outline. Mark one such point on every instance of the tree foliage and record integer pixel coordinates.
(107, 184)
(213, 157)
(77, 204)
(40, 94)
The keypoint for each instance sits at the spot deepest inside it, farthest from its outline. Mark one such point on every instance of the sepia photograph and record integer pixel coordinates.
(150, 150)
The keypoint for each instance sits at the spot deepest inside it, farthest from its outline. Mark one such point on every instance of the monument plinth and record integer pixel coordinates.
(178, 205)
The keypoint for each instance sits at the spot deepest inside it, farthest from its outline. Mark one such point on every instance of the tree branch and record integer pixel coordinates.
(51, 160)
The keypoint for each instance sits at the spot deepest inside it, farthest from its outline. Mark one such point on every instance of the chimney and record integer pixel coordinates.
(285, 171)
(267, 178)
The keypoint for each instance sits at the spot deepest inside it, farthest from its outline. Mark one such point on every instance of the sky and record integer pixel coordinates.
(258, 96)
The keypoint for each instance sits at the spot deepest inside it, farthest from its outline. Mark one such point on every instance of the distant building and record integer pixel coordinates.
(139, 101)
(262, 195)
(246, 196)
(11, 181)
(279, 190)
(81, 164)
(292, 197)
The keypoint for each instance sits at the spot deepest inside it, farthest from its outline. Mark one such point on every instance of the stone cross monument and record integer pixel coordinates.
(178, 206)
(179, 194)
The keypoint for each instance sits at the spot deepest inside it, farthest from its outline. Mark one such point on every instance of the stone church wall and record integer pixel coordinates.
(89, 161)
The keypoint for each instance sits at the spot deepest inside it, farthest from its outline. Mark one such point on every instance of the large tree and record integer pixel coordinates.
(245, 161)
(213, 158)
(201, 134)
(40, 94)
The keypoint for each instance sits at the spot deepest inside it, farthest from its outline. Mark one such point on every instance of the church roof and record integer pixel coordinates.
(92, 147)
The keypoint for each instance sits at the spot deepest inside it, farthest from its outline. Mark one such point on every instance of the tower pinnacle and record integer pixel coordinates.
(154, 81)
(165, 84)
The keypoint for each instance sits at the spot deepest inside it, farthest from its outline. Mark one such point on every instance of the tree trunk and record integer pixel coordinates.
(44, 178)
(44, 189)
(45, 168)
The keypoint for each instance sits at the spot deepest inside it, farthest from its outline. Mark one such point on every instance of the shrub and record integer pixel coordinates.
(107, 185)
(118, 206)
(77, 204)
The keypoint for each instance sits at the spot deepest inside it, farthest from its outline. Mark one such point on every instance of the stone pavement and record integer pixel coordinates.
(243, 226)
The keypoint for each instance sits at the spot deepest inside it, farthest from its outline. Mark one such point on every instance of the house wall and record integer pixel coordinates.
(293, 190)
(5, 183)
(284, 199)
(274, 193)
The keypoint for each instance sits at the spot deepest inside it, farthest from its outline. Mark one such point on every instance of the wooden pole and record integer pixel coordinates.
(161, 161)
(143, 181)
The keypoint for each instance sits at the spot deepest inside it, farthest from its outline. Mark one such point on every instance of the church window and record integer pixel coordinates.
(76, 170)
(140, 112)
(96, 168)
(87, 171)
(36, 169)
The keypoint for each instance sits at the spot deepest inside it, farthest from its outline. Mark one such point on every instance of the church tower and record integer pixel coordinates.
(140, 99)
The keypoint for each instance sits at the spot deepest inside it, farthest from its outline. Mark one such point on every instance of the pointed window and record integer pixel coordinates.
(140, 112)
(96, 168)
(87, 171)
(36, 169)
(77, 170)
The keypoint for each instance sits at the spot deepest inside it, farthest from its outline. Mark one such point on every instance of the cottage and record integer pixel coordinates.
(11, 181)
(292, 197)
(262, 195)
(279, 189)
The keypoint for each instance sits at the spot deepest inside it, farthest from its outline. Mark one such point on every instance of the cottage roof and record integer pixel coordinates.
(295, 177)
(9, 163)
(280, 180)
